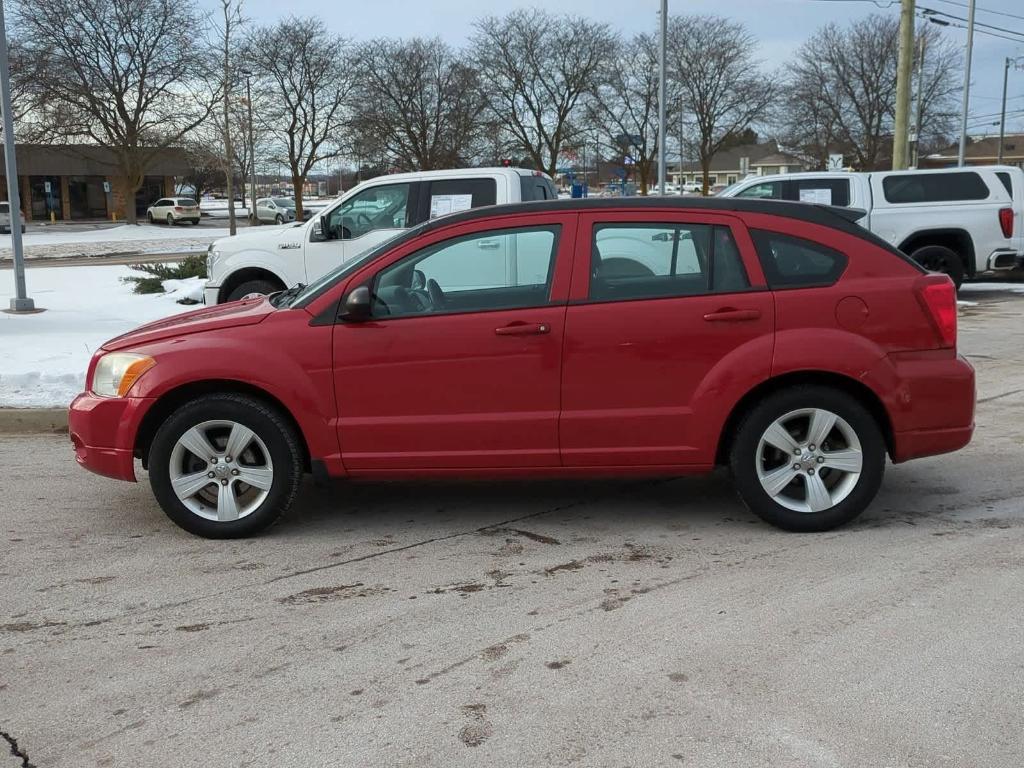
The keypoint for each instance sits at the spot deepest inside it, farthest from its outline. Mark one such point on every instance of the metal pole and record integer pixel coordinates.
(903, 70)
(967, 84)
(920, 105)
(682, 130)
(252, 153)
(1002, 118)
(662, 126)
(21, 302)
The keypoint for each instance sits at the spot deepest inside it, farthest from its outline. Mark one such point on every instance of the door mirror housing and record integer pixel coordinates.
(356, 307)
(319, 231)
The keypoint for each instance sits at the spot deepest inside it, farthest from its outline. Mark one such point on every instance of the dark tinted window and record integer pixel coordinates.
(536, 188)
(791, 262)
(634, 261)
(450, 195)
(823, 191)
(934, 187)
(188, 201)
(1005, 178)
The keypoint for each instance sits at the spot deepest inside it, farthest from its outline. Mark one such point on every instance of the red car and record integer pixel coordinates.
(570, 338)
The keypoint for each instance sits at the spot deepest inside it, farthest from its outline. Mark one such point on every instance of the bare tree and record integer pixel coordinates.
(227, 28)
(116, 73)
(624, 108)
(720, 83)
(536, 67)
(307, 79)
(417, 103)
(842, 90)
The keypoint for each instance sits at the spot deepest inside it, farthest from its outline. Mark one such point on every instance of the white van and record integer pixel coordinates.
(269, 259)
(961, 221)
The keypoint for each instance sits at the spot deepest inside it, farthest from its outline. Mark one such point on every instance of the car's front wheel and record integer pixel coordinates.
(170, 220)
(279, 219)
(149, 215)
(809, 458)
(225, 466)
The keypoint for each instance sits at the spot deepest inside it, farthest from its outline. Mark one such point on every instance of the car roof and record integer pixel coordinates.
(451, 173)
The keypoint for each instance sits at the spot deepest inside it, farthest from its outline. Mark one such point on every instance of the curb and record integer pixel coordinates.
(33, 421)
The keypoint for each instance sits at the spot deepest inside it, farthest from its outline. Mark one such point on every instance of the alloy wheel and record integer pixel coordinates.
(809, 460)
(221, 470)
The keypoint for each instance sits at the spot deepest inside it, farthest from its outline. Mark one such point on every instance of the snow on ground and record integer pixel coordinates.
(992, 286)
(43, 357)
(127, 238)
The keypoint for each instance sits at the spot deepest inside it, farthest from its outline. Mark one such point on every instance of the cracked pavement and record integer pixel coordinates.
(595, 623)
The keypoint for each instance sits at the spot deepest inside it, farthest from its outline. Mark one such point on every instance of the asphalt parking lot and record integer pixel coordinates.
(632, 623)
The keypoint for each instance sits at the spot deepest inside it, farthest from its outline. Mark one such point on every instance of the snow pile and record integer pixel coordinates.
(43, 357)
(54, 242)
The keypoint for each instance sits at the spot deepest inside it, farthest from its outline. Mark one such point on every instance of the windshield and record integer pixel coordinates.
(342, 271)
(284, 202)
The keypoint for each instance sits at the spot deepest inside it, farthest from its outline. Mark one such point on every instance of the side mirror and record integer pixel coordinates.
(356, 307)
(319, 233)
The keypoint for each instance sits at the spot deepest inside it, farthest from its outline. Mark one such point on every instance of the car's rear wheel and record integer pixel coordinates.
(149, 215)
(939, 258)
(808, 459)
(170, 220)
(225, 466)
(263, 287)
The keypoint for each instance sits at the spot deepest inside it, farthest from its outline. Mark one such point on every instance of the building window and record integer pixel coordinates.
(88, 200)
(730, 179)
(44, 196)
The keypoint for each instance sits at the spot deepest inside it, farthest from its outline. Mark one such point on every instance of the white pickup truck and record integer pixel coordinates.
(269, 259)
(961, 221)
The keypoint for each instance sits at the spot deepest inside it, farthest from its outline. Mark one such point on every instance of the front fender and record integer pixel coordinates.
(287, 265)
(283, 356)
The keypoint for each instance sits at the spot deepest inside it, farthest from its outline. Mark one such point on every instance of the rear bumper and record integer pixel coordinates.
(932, 409)
(102, 431)
(1000, 260)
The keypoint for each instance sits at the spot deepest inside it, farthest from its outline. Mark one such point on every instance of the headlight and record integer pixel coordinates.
(116, 372)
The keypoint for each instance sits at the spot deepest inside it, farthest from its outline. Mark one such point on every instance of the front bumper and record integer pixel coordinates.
(211, 295)
(102, 431)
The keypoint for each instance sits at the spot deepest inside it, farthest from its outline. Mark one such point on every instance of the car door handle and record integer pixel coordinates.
(733, 315)
(523, 329)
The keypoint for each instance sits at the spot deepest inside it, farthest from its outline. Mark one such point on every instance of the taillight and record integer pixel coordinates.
(1006, 221)
(178, 208)
(937, 295)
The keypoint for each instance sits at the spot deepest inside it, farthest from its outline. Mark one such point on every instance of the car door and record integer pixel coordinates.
(362, 221)
(458, 367)
(160, 209)
(668, 317)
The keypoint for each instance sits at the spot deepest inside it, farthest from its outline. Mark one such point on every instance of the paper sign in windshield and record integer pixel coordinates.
(442, 205)
(819, 196)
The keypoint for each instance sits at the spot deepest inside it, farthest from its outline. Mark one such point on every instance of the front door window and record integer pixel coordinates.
(382, 207)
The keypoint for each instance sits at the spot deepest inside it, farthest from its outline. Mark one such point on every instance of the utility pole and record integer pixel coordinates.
(662, 126)
(920, 105)
(967, 84)
(682, 131)
(1002, 116)
(903, 74)
(252, 152)
(21, 302)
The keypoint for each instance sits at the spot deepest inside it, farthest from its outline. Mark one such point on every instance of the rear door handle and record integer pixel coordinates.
(523, 329)
(733, 315)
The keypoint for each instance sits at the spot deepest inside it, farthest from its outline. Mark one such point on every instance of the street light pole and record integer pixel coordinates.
(21, 301)
(967, 84)
(1002, 116)
(252, 152)
(662, 126)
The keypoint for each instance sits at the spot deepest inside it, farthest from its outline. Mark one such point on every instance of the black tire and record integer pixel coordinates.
(253, 286)
(170, 220)
(939, 258)
(279, 219)
(280, 438)
(743, 457)
(149, 215)
(195, 222)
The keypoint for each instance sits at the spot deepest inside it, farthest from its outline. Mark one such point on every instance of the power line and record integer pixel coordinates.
(982, 10)
(927, 12)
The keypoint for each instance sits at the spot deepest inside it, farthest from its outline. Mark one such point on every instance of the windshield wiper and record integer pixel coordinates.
(282, 298)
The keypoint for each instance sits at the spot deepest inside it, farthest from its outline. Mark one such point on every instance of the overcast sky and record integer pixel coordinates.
(780, 25)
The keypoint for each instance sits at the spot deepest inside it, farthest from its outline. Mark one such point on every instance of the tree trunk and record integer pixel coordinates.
(705, 169)
(297, 182)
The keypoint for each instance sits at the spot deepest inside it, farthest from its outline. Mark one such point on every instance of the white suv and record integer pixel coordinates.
(173, 210)
(269, 260)
(961, 221)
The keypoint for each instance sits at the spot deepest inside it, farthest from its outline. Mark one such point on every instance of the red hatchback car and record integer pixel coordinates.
(589, 337)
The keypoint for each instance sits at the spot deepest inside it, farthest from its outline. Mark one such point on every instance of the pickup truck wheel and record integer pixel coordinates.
(939, 258)
(808, 458)
(264, 287)
(225, 466)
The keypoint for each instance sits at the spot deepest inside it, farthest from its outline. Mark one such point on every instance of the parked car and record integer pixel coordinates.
(563, 338)
(173, 210)
(5, 218)
(262, 261)
(960, 221)
(277, 210)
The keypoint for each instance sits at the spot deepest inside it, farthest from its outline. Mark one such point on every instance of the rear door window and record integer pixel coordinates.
(1007, 182)
(446, 196)
(822, 191)
(792, 262)
(934, 187)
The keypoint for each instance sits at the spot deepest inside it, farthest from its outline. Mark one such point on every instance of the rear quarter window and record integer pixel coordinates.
(536, 188)
(823, 191)
(792, 262)
(1007, 181)
(934, 188)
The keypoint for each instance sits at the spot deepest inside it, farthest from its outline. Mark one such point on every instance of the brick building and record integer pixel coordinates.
(68, 182)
